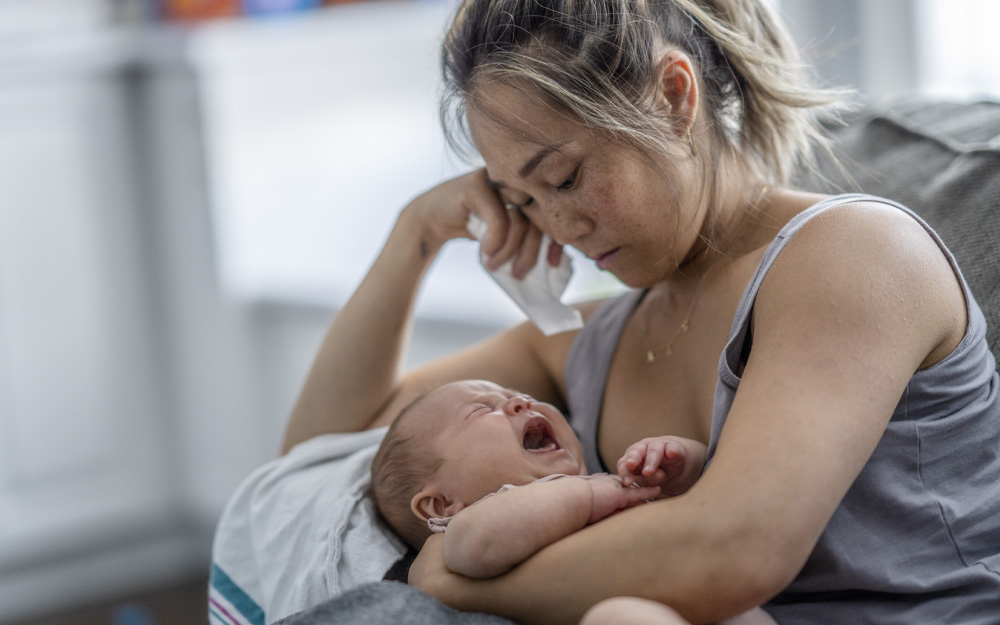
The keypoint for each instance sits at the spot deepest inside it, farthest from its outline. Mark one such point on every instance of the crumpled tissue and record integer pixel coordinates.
(538, 293)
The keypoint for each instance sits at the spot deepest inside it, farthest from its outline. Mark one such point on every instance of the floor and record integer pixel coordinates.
(184, 604)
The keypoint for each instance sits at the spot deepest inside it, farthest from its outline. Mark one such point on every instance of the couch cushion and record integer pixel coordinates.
(942, 159)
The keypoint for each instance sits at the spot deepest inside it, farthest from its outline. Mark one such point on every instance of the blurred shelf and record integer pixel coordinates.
(59, 52)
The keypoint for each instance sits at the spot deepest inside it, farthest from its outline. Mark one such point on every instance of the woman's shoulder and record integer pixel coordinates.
(861, 259)
(861, 233)
(850, 230)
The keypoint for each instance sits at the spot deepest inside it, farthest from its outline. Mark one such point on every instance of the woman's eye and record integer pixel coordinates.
(568, 184)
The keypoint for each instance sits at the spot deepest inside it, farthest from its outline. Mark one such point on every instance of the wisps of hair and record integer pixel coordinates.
(596, 60)
(402, 466)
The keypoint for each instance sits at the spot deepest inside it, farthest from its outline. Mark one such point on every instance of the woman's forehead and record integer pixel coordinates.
(502, 112)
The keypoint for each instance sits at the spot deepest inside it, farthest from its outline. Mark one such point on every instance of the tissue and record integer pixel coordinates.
(538, 293)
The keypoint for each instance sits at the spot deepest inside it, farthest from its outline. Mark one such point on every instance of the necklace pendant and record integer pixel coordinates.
(685, 325)
(649, 356)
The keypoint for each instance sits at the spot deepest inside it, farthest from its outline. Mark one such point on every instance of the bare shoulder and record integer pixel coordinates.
(860, 298)
(870, 264)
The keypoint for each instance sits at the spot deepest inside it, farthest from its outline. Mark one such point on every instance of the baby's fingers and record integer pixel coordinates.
(654, 456)
(658, 477)
(629, 463)
(642, 493)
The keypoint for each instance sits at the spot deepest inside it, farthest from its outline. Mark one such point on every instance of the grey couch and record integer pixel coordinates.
(942, 159)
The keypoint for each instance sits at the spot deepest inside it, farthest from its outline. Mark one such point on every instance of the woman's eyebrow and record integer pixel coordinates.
(528, 167)
(536, 160)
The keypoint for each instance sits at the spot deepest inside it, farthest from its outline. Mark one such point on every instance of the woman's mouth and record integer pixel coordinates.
(537, 436)
(606, 259)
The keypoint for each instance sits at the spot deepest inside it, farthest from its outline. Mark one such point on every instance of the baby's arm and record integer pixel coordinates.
(499, 532)
(670, 462)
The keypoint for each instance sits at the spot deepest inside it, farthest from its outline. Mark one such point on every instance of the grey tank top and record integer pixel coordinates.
(917, 537)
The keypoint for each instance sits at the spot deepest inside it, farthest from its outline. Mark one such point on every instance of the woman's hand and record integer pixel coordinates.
(444, 212)
(429, 572)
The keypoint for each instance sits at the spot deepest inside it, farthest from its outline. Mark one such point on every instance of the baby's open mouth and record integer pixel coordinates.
(538, 436)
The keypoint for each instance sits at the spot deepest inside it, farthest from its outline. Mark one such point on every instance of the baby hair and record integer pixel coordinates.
(596, 60)
(404, 463)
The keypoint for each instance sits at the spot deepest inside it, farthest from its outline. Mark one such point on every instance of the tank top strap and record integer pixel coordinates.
(737, 346)
(729, 362)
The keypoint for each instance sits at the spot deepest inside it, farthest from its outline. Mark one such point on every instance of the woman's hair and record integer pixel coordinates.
(597, 61)
(403, 465)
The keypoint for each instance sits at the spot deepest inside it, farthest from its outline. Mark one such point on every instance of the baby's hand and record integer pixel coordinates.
(670, 462)
(609, 495)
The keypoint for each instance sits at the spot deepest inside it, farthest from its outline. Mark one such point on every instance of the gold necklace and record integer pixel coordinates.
(684, 327)
(686, 322)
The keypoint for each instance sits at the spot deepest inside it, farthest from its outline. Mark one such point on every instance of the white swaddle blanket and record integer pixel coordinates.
(300, 530)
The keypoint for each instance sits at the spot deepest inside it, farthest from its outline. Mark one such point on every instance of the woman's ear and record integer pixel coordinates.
(678, 92)
(431, 503)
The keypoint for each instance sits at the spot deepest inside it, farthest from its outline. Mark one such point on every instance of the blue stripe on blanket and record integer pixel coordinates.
(232, 593)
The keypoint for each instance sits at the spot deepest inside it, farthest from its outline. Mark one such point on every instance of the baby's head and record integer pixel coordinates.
(459, 442)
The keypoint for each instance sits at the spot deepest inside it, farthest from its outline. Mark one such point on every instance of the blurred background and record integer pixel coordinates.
(188, 191)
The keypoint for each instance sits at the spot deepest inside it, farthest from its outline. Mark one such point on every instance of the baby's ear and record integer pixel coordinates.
(430, 503)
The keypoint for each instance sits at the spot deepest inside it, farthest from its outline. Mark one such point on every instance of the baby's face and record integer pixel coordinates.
(489, 436)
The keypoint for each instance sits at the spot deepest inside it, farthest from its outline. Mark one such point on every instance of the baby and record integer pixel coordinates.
(518, 460)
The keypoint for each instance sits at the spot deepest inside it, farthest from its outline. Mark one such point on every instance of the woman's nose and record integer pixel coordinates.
(566, 225)
(516, 405)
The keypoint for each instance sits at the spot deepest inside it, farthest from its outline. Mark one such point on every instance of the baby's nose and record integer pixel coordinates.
(516, 405)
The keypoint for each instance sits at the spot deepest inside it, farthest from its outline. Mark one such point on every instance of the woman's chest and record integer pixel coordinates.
(663, 383)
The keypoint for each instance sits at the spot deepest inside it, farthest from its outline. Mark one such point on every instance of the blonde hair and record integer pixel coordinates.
(596, 60)
(404, 463)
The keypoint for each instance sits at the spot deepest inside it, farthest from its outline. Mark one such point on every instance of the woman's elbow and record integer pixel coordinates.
(758, 566)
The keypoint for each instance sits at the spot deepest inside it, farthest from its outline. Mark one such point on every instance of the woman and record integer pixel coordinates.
(825, 349)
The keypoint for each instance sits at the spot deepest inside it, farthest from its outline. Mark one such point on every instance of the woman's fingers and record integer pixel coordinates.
(516, 227)
(554, 254)
(527, 252)
(479, 198)
(509, 236)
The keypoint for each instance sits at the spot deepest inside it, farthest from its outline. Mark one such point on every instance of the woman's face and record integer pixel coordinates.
(587, 191)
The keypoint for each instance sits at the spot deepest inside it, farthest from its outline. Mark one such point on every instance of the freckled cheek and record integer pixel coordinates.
(619, 208)
(609, 203)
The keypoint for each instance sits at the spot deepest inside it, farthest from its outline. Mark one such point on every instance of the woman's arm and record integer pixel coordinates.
(356, 378)
(858, 301)
(499, 532)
